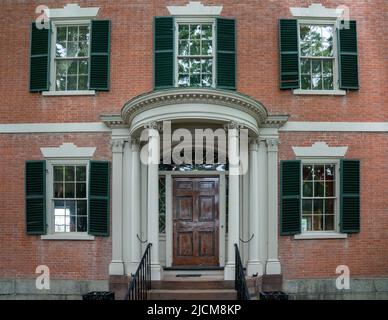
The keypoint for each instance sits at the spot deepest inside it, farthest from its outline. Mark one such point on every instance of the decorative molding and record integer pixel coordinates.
(195, 8)
(69, 93)
(158, 98)
(113, 121)
(117, 145)
(233, 125)
(320, 150)
(153, 125)
(68, 150)
(275, 121)
(312, 126)
(71, 10)
(272, 144)
(317, 10)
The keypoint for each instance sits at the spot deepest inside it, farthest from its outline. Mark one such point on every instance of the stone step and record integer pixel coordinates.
(192, 284)
(197, 294)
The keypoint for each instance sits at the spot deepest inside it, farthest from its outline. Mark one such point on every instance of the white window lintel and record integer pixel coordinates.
(320, 150)
(71, 10)
(194, 8)
(68, 236)
(68, 150)
(320, 235)
(317, 10)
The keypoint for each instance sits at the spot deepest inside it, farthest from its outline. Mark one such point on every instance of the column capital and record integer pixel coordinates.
(135, 144)
(233, 125)
(253, 144)
(117, 145)
(272, 144)
(153, 125)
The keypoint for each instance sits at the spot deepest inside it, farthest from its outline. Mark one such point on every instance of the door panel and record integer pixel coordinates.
(196, 221)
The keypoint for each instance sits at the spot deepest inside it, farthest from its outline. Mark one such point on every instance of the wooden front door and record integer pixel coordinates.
(195, 221)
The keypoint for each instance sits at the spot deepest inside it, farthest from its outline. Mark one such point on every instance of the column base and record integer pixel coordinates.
(116, 268)
(131, 267)
(273, 267)
(255, 268)
(229, 271)
(156, 272)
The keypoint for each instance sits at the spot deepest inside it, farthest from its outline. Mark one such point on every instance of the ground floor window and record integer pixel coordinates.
(319, 197)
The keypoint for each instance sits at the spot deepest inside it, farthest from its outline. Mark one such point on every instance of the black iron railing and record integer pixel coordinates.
(240, 283)
(140, 282)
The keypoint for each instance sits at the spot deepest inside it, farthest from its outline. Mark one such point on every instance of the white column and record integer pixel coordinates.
(153, 200)
(262, 201)
(127, 162)
(255, 266)
(135, 228)
(273, 264)
(234, 200)
(116, 266)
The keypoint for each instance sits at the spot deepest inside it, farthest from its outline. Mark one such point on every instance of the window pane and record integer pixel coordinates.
(61, 34)
(81, 173)
(328, 83)
(207, 65)
(83, 49)
(60, 83)
(327, 34)
(69, 190)
(73, 67)
(305, 66)
(72, 224)
(318, 189)
(82, 224)
(319, 172)
(318, 206)
(58, 173)
(83, 67)
(195, 66)
(183, 65)
(61, 50)
(308, 172)
(306, 82)
(329, 206)
(318, 223)
(62, 68)
(329, 223)
(81, 207)
(329, 172)
(183, 80)
(83, 33)
(69, 173)
(58, 190)
(207, 80)
(195, 47)
(207, 47)
(304, 32)
(59, 208)
(304, 48)
(307, 206)
(71, 82)
(328, 67)
(327, 49)
(195, 31)
(81, 190)
(72, 33)
(72, 49)
(195, 80)
(315, 40)
(183, 48)
(70, 207)
(183, 32)
(82, 82)
(307, 189)
(306, 223)
(207, 31)
(330, 192)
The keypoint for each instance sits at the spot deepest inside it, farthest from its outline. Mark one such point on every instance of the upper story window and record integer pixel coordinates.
(317, 57)
(195, 54)
(71, 59)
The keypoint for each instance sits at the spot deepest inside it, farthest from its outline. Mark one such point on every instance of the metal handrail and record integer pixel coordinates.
(240, 282)
(140, 282)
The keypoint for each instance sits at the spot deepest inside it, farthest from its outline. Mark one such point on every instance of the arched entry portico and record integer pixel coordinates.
(135, 203)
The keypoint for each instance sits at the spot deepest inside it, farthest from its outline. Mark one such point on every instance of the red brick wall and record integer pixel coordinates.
(132, 56)
(21, 254)
(366, 253)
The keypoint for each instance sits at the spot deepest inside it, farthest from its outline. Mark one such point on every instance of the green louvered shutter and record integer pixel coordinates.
(226, 53)
(99, 55)
(39, 59)
(350, 196)
(348, 57)
(99, 198)
(163, 52)
(290, 175)
(35, 197)
(289, 54)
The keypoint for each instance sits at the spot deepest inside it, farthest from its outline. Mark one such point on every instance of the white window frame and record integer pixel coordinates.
(52, 91)
(336, 90)
(207, 20)
(323, 234)
(51, 234)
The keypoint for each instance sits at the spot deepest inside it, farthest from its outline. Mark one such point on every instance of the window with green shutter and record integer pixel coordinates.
(39, 58)
(35, 197)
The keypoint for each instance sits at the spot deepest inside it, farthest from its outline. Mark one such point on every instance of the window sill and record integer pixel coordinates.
(67, 236)
(69, 93)
(320, 92)
(320, 235)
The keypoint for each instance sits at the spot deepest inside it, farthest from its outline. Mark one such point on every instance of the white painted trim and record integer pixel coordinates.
(68, 236)
(68, 150)
(72, 10)
(317, 10)
(312, 126)
(336, 92)
(320, 235)
(169, 220)
(290, 126)
(69, 93)
(53, 127)
(194, 8)
(320, 149)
